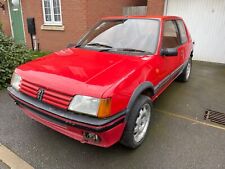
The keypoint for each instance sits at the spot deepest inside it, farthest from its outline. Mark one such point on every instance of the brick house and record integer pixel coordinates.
(58, 22)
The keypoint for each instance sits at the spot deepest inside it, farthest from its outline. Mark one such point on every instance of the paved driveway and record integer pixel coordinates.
(179, 138)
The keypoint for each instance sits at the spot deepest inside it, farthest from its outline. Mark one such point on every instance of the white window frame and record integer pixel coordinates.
(53, 22)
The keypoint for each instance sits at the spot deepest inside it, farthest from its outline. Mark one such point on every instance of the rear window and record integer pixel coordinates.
(183, 34)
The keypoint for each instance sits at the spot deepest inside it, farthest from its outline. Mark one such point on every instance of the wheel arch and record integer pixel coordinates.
(145, 88)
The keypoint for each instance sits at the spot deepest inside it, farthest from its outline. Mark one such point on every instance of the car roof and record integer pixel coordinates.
(142, 17)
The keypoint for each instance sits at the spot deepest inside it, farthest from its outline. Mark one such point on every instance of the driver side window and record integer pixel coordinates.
(171, 37)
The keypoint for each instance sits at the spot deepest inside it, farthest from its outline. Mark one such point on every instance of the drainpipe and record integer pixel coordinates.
(3, 7)
(35, 43)
(32, 31)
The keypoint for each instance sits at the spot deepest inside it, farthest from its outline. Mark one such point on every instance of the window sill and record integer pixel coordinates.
(53, 27)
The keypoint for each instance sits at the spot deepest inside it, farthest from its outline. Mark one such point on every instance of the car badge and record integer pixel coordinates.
(40, 94)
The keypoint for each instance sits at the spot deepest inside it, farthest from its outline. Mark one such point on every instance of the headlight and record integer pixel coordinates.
(91, 106)
(15, 81)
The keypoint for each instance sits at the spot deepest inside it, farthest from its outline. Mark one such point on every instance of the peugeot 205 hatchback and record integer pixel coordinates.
(101, 90)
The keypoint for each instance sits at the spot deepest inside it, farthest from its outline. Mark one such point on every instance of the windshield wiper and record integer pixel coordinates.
(99, 44)
(132, 50)
(77, 46)
(125, 50)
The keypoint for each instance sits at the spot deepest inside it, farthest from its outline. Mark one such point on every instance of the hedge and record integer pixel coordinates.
(11, 56)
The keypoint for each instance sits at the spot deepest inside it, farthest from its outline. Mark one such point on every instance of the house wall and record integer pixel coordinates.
(74, 21)
(97, 9)
(77, 16)
(4, 19)
(156, 7)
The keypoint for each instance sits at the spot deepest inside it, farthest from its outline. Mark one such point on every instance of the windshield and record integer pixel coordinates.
(131, 35)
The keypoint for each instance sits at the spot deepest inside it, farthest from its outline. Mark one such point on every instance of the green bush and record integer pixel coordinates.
(11, 56)
(0, 26)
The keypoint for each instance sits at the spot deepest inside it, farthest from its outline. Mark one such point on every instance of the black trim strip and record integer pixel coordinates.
(169, 77)
(63, 123)
(80, 118)
(154, 89)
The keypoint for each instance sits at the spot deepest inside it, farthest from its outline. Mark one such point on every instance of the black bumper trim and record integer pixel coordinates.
(65, 124)
(94, 122)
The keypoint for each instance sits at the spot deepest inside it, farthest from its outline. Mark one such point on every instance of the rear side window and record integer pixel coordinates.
(171, 37)
(183, 34)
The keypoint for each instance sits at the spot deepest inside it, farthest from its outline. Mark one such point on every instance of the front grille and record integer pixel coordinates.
(51, 97)
(214, 116)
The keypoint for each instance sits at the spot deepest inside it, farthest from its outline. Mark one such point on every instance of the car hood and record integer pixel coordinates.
(79, 71)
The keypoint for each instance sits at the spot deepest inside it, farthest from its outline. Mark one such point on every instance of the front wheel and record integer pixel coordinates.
(138, 123)
(185, 75)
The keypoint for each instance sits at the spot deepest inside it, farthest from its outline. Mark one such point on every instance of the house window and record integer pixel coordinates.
(52, 12)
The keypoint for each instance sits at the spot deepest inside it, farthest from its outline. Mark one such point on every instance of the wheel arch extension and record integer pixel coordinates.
(145, 88)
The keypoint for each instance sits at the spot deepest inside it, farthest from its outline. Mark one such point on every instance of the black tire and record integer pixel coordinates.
(185, 75)
(128, 138)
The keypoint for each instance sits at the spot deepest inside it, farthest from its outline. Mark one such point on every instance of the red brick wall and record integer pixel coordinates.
(4, 19)
(101, 8)
(77, 17)
(74, 20)
(156, 7)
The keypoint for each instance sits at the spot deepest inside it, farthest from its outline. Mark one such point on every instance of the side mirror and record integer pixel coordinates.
(70, 45)
(169, 52)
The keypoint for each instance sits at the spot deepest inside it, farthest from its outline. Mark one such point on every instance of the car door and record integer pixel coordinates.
(165, 69)
(171, 39)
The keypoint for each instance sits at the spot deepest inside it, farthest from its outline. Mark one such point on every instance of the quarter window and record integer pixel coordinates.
(183, 35)
(171, 37)
(52, 12)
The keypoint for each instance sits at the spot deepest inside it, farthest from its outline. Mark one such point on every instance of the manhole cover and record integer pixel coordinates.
(215, 116)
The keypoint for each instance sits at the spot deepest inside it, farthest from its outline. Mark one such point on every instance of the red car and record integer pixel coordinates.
(101, 90)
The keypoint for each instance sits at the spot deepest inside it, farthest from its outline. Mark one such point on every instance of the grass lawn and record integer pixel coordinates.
(37, 54)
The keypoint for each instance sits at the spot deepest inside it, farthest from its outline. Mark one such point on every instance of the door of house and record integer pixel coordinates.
(135, 10)
(16, 21)
(206, 23)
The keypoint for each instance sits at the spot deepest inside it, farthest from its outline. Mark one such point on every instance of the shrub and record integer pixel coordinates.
(11, 56)
(0, 26)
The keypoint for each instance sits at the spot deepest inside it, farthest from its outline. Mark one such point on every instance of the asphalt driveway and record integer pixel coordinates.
(179, 138)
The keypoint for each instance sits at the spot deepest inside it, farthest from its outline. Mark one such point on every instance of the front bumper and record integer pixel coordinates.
(109, 130)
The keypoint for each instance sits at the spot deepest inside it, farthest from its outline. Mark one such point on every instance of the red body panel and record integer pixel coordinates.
(108, 138)
(103, 75)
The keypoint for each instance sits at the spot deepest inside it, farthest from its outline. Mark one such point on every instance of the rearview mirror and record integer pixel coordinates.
(169, 52)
